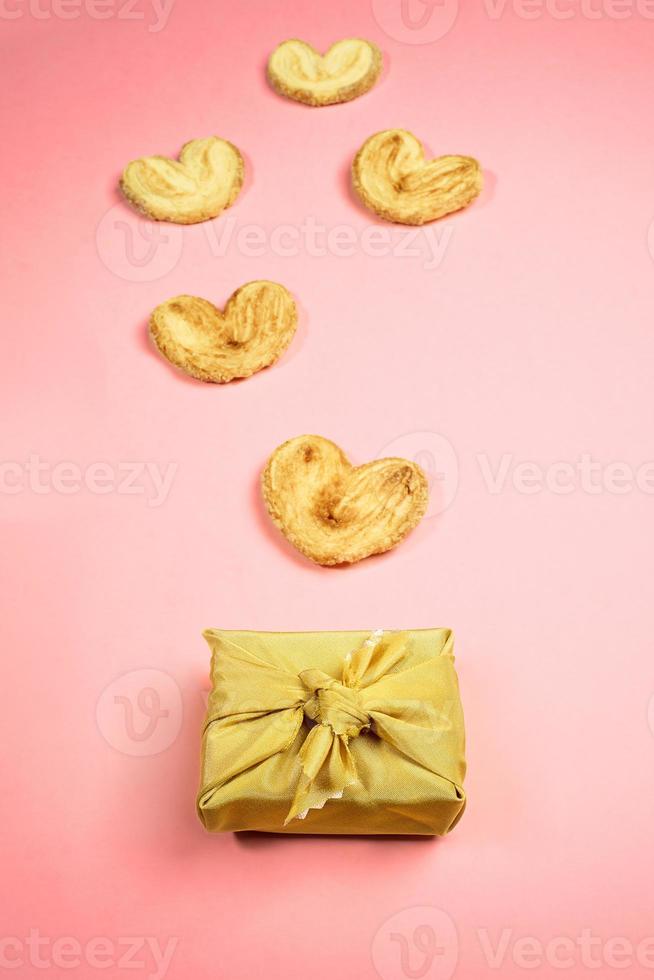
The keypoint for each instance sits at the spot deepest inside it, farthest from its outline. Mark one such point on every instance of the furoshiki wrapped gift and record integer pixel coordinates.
(333, 733)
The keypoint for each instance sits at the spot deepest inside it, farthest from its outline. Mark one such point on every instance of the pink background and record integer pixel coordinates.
(532, 338)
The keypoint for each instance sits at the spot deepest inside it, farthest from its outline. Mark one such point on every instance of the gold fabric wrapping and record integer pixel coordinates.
(333, 733)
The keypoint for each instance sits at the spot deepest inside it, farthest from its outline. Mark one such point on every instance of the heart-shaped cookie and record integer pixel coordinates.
(393, 179)
(348, 69)
(334, 512)
(203, 182)
(210, 344)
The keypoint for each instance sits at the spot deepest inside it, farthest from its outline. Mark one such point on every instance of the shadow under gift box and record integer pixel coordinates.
(333, 733)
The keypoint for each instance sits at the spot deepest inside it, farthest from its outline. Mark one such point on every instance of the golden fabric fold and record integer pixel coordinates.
(333, 733)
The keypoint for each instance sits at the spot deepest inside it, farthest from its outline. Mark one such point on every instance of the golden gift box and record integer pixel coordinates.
(333, 733)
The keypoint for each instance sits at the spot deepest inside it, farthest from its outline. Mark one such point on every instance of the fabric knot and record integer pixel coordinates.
(334, 705)
(327, 765)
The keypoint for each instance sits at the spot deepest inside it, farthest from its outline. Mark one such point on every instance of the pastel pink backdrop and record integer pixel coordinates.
(532, 337)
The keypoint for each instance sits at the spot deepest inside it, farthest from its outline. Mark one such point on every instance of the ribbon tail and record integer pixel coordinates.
(327, 768)
(378, 655)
